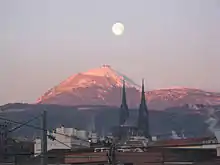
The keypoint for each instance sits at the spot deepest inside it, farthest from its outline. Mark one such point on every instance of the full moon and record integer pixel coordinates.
(118, 29)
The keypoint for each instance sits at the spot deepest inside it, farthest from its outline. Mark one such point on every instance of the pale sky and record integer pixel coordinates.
(167, 42)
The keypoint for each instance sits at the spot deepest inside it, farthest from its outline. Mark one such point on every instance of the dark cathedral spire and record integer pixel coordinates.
(124, 113)
(143, 100)
(124, 100)
(143, 116)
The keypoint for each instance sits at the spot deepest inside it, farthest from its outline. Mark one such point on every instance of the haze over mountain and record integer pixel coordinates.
(193, 120)
(102, 86)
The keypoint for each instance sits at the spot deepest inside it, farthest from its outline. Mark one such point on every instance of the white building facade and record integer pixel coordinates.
(217, 135)
(66, 138)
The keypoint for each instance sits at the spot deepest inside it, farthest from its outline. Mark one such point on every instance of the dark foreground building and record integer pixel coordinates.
(154, 156)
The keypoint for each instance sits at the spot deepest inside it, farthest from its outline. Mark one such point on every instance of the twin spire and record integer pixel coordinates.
(143, 117)
(124, 101)
(124, 112)
(143, 100)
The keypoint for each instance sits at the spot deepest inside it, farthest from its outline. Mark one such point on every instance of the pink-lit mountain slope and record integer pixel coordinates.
(102, 86)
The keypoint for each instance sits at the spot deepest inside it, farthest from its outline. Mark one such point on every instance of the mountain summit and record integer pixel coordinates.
(99, 86)
(102, 86)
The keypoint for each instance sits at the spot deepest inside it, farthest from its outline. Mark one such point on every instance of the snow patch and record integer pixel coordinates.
(107, 71)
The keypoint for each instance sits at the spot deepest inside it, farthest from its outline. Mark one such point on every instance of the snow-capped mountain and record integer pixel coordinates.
(102, 86)
(177, 96)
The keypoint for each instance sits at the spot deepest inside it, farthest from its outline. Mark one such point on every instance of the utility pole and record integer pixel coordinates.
(44, 139)
(4, 139)
(112, 155)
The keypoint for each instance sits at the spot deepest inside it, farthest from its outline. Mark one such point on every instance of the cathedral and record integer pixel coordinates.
(126, 126)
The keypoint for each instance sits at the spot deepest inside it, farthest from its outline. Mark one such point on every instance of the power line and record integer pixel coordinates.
(21, 125)
(24, 124)
(39, 128)
(63, 143)
(35, 127)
